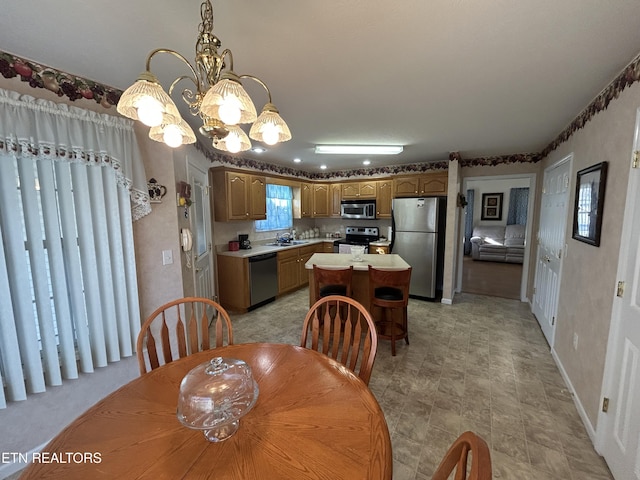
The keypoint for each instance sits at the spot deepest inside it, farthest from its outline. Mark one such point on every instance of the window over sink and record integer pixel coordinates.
(279, 209)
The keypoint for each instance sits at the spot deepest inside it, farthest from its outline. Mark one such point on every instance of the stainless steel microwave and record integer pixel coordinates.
(358, 209)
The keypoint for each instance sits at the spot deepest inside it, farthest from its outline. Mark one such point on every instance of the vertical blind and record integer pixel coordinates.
(69, 192)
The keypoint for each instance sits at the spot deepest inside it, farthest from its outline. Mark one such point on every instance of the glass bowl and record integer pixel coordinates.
(215, 395)
(356, 252)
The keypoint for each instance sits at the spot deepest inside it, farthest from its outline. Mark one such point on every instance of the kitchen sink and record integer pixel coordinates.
(286, 244)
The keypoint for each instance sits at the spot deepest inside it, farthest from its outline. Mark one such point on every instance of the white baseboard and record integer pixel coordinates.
(447, 301)
(576, 400)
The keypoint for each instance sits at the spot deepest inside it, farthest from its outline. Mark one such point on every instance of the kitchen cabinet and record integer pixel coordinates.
(306, 200)
(379, 249)
(416, 185)
(233, 282)
(327, 247)
(238, 196)
(336, 198)
(291, 271)
(383, 198)
(359, 190)
(320, 199)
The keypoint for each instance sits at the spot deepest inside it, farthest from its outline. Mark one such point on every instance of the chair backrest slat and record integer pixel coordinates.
(181, 331)
(457, 457)
(343, 329)
(165, 341)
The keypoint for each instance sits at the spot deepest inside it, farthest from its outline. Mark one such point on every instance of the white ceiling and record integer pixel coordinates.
(481, 77)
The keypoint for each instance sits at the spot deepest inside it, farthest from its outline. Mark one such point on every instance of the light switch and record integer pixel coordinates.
(167, 257)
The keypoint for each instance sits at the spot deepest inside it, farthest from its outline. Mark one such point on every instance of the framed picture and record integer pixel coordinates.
(491, 206)
(589, 203)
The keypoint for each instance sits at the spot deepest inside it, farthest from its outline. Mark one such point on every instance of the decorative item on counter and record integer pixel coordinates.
(156, 191)
(234, 246)
(215, 395)
(356, 252)
(316, 232)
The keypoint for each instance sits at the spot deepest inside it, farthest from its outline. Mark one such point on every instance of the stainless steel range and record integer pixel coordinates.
(356, 236)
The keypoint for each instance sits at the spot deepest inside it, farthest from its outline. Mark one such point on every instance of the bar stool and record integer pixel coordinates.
(389, 290)
(332, 281)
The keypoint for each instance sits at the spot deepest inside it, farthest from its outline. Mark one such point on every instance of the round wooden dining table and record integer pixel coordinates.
(313, 419)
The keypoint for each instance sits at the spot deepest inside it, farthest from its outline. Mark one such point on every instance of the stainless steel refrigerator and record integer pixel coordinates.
(418, 237)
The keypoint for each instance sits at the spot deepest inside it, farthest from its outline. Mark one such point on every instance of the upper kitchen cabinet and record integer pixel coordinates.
(359, 190)
(416, 185)
(238, 196)
(321, 199)
(306, 200)
(336, 198)
(383, 199)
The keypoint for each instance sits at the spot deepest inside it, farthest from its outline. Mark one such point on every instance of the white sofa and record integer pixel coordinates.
(498, 243)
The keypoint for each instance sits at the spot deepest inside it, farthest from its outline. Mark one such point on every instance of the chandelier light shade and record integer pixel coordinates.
(146, 101)
(269, 127)
(228, 102)
(235, 141)
(173, 134)
(217, 97)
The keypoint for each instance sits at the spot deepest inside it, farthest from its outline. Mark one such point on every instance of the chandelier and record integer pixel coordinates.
(218, 99)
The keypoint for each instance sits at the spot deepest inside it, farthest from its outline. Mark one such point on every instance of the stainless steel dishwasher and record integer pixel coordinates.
(263, 278)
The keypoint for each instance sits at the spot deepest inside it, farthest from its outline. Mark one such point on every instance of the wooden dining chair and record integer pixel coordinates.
(332, 281)
(342, 329)
(457, 458)
(180, 328)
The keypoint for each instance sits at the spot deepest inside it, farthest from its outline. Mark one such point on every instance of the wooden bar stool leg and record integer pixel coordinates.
(405, 325)
(392, 326)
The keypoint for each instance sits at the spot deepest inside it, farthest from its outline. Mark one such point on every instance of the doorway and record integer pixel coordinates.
(502, 279)
(203, 279)
(618, 434)
(551, 245)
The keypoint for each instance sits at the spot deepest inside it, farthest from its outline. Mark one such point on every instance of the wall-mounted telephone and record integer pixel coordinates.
(186, 239)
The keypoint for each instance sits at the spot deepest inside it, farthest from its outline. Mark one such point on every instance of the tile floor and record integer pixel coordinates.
(481, 364)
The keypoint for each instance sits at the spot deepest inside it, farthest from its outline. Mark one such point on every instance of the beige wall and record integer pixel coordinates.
(589, 273)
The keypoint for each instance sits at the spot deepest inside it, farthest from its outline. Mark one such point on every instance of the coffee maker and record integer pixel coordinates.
(244, 241)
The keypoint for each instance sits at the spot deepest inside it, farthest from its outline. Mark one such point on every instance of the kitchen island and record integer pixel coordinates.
(360, 281)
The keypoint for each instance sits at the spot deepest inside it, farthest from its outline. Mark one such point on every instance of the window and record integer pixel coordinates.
(68, 286)
(279, 209)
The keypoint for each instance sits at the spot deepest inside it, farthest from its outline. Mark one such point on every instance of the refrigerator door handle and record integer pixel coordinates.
(393, 232)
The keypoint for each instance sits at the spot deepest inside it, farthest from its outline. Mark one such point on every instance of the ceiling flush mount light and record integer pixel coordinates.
(218, 99)
(366, 162)
(359, 149)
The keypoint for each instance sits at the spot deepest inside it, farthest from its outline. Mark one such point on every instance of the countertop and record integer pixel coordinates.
(391, 261)
(262, 249)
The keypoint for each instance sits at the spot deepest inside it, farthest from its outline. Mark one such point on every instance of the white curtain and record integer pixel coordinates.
(71, 183)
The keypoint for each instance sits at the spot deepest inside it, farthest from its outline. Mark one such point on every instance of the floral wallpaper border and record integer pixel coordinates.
(61, 83)
(78, 88)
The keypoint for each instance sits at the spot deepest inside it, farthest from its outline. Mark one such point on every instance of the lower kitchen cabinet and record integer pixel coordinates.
(233, 282)
(291, 271)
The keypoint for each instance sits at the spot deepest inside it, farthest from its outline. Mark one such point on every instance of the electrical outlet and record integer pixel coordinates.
(575, 341)
(167, 257)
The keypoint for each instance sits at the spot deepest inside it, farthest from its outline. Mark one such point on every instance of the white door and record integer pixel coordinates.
(201, 226)
(619, 440)
(553, 222)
